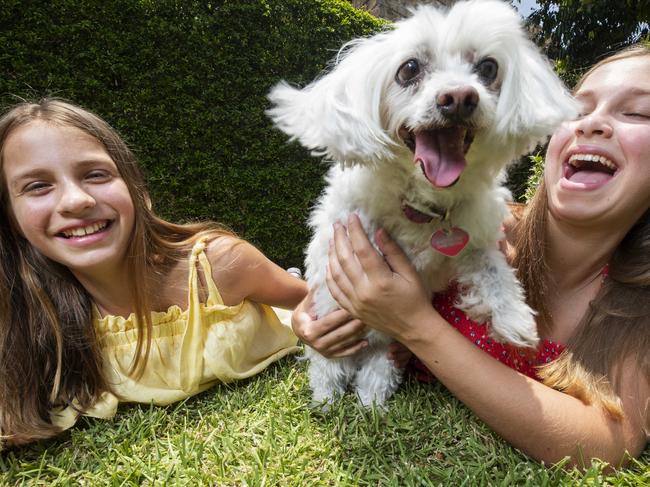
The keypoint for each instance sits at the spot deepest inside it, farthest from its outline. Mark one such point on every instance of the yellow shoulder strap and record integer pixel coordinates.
(193, 337)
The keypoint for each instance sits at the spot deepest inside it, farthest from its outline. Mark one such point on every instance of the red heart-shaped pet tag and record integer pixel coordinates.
(449, 242)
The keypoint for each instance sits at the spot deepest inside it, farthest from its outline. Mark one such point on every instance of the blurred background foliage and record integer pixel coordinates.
(577, 33)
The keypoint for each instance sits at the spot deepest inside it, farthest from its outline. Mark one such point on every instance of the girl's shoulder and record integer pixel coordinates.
(227, 254)
(233, 262)
(220, 250)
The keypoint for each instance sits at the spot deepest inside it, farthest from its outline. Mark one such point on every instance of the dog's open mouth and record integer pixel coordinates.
(440, 152)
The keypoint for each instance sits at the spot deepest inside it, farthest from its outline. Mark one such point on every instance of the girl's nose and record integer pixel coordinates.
(75, 200)
(594, 124)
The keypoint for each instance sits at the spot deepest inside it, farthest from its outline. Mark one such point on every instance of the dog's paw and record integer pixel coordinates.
(328, 379)
(377, 381)
(474, 307)
(515, 325)
(325, 394)
(374, 399)
(478, 314)
(323, 405)
(370, 403)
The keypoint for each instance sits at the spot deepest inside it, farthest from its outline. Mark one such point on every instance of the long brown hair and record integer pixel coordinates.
(616, 327)
(49, 355)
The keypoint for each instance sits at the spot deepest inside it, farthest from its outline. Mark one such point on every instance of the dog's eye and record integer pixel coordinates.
(407, 72)
(487, 70)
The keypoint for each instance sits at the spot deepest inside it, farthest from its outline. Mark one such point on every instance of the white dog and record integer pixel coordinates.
(422, 120)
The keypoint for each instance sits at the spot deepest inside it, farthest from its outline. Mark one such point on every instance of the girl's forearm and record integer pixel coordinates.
(544, 423)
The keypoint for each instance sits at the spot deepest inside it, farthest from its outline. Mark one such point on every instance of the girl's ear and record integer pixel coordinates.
(533, 100)
(338, 115)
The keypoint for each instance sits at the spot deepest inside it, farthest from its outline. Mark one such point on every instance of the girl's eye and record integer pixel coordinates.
(585, 112)
(637, 115)
(585, 107)
(36, 187)
(98, 175)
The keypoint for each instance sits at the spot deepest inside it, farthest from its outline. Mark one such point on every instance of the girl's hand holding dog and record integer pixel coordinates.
(335, 335)
(385, 292)
(338, 334)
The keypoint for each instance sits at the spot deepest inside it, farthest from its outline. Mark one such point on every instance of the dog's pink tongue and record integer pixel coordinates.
(440, 154)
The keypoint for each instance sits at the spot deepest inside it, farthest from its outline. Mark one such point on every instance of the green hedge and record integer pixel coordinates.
(185, 83)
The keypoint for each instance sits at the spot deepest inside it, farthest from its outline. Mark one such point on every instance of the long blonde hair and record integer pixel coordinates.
(49, 356)
(616, 327)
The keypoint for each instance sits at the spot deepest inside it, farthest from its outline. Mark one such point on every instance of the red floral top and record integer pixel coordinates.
(523, 360)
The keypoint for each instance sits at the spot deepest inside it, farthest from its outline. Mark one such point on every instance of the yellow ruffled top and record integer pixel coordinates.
(191, 349)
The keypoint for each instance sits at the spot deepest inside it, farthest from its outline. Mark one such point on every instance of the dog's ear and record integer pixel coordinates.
(533, 101)
(339, 114)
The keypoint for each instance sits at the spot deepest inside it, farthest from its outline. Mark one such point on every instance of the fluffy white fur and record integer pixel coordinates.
(357, 115)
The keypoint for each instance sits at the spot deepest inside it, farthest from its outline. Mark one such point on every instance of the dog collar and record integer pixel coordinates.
(448, 240)
(419, 216)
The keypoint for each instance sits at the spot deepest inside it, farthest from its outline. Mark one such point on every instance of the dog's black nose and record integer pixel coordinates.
(458, 104)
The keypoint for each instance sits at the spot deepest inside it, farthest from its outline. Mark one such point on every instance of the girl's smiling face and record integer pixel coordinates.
(598, 166)
(67, 196)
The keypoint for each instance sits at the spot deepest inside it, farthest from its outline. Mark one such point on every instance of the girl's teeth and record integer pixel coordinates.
(577, 159)
(81, 232)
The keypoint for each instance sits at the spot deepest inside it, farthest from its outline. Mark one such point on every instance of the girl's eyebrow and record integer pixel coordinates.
(632, 94)
(632, 90)
(638, 91)
(583, 96)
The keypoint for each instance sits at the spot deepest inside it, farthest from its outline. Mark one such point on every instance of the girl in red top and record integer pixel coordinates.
(591, 212)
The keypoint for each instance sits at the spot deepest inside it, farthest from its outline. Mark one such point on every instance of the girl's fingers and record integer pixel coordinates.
(394, 255)
(334, 320)
(342, 337)
(306, 327)
(336, 334)
(310, 330)
(350, 351)
(346, 259)
(370, 261)
(338, 282)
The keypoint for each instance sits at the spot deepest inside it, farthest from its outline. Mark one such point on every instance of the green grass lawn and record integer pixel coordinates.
(262, 432)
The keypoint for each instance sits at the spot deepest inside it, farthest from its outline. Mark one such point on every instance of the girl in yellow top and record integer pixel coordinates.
(102, 301)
